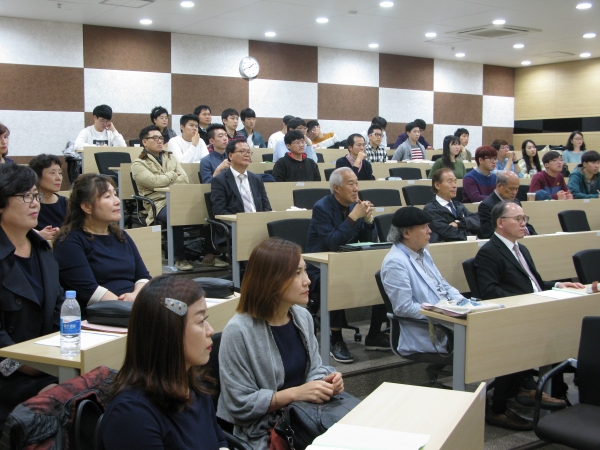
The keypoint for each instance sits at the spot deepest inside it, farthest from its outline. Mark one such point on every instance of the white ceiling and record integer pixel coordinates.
(398, 30)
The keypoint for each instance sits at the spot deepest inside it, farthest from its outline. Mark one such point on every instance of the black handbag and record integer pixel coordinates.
(302, 422)
(113, 313)
(215, 287)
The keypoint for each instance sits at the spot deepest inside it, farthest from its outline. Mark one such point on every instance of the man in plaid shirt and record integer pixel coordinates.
(374, 150)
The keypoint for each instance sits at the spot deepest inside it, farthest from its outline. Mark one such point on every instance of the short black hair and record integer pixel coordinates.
(146, 131)
(229, 112)
(201, 108)
(287, 118)
(103, 111)
(550, 156)
(352, 138)
(411, 126)
(379, 121)
(210, 130)
(156, 112)
(498, 211)
(590, 156)
(311, 124)
(295, 123)
(43, 161)
(187, 118)
(420, 123)
(460, 131)
(292, 136)
(373, 128)
(15, 179)
(247, 114)
(231, 146)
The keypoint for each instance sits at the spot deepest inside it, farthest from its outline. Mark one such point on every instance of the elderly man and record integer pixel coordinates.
(505, 268)
(507, 186)
(450, 219)
(339, 219)
(410, 278)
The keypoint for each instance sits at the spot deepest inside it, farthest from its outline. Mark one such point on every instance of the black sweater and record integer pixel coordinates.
(290, 169)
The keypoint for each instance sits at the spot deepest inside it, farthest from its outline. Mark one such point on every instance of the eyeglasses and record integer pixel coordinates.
(377, 134)
(492, 159)
(244, 152)
(156, 138)
(520, 219)
(29, 197)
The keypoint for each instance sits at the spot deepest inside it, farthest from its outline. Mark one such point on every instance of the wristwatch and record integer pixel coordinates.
(9, 366)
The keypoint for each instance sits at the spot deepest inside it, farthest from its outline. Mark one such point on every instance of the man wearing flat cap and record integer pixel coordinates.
(410, 278)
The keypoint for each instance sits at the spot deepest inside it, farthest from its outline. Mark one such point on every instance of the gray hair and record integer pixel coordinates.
(503, 176)
(337, 177)
(396, 234)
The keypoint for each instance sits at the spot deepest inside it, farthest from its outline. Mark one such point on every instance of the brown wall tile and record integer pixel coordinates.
(489, 134)
(340, 102)
(66, 184)
(41, 88)
(405, 72)
(395, 129)
(125, 49)
(189, 91)
(267, 126)
(129, 125)
(498, 81)
(285, 62)
(457, 109)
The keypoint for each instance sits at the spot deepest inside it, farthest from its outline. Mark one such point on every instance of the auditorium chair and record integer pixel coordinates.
(587, 265)
(267, 157)
(328, 173)
(406, 173)
(295, 230)
(306, 198)
(104, 160)
(383, 224)
(471, 276)
(417, 195)
(381, 197)
(573, 220)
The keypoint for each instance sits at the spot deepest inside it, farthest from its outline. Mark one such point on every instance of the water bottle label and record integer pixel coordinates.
(72, 327)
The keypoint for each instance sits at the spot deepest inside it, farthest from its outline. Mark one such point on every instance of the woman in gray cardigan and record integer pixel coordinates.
(269, 355)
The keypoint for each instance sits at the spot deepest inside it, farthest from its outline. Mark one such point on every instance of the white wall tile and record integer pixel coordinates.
(343, 128)
(126, 91)
(457, 77)
(404, 105)
(41, 43)
(53, 129)
(270, 98)
(206, 55)
(498, 111)
(441, 131)
(348, 67)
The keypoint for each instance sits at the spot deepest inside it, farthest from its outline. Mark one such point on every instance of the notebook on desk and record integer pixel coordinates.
(365, 246)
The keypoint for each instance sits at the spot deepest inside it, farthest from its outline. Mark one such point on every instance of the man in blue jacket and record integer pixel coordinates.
(584, 181)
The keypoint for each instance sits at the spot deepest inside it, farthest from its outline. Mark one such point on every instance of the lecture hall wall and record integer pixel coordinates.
(53, 74)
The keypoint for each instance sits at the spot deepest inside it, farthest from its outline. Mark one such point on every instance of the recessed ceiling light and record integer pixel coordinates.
(518, 45)
(431, 35)
(585, 55)
(589, 35)
(525, 63)
(499, 22)
(146, 22)
(584, 6)
(460, 55)
(373, 45)
(270, 34)
(386, 4)
(322, 20)
(187, 4)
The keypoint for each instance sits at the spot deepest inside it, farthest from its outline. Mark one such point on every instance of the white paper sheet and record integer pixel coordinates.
(88, 339)
(355, 437)
(556, 294)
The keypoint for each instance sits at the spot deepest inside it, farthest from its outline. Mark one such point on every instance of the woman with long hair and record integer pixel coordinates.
(269, 354)
(161, 396)
(530, 162)
(450, 152)
(96, 258)
(575, 148)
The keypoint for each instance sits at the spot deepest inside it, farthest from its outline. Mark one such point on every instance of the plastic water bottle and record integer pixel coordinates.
(70, 326)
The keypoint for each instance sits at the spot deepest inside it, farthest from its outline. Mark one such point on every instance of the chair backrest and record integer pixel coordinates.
(436, 157)
(406, 173)
(468, 170)
(328, 173)
(267, 157)
(459, 194)
(417, 195)
(427, 172)
(586, 265)
(268, 172)
(573, 220)
(306, 198)
(394, 324)
(134, 184)
(208, 205)
(588, 362)
(381, 197)
(87, 419)
(132, 142)
(295, 230)
(522, 192)
(383, 223)
(320, 158)
(104, 160)
(471, 276)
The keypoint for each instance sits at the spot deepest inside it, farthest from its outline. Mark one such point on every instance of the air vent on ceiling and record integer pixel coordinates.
(557, 54)
(493, 32)
(127, 3)
(445, 40)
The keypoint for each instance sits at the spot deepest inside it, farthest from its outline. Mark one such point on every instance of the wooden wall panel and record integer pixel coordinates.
(592, 139)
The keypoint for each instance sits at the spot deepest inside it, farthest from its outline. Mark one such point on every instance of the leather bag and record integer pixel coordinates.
(113, 313)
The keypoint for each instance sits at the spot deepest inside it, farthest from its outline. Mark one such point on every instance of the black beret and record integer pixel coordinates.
(409, 216)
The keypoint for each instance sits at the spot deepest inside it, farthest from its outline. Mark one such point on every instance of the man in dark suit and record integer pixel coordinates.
(451, 220)
(507, 186)
(339, 219)
(505, 268)
(236, 190)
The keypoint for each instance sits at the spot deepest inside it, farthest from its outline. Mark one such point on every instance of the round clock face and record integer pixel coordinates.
(249, 67)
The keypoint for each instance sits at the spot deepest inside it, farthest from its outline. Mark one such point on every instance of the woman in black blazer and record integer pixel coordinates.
(30, 294)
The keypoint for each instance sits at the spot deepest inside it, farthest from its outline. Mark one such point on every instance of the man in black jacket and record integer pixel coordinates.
(295, 165)
(452, 221)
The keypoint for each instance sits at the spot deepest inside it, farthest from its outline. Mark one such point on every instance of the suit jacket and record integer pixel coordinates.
(485, 216)
(499, 273)
(441, 231)
(226, 198)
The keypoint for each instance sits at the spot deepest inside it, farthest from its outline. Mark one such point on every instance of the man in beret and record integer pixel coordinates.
(410, 278)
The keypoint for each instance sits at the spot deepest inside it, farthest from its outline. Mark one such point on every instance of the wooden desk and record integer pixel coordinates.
(88, 161)
(453, 420)
(531, 331)
(148, 242)
(544, 215)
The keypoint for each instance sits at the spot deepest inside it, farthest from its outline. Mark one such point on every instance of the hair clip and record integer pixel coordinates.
(177, 306)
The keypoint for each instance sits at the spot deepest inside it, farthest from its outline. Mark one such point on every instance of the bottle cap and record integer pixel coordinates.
(70, 294)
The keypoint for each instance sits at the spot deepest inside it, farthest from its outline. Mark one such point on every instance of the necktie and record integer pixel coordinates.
(451, 206)
(526, 267)
(246, 196)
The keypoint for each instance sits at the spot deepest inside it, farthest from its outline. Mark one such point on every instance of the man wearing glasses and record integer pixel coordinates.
(374, 151)
(281, 149)
(481, 181)
(320, 139)
(505, 268)
(295, 165)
